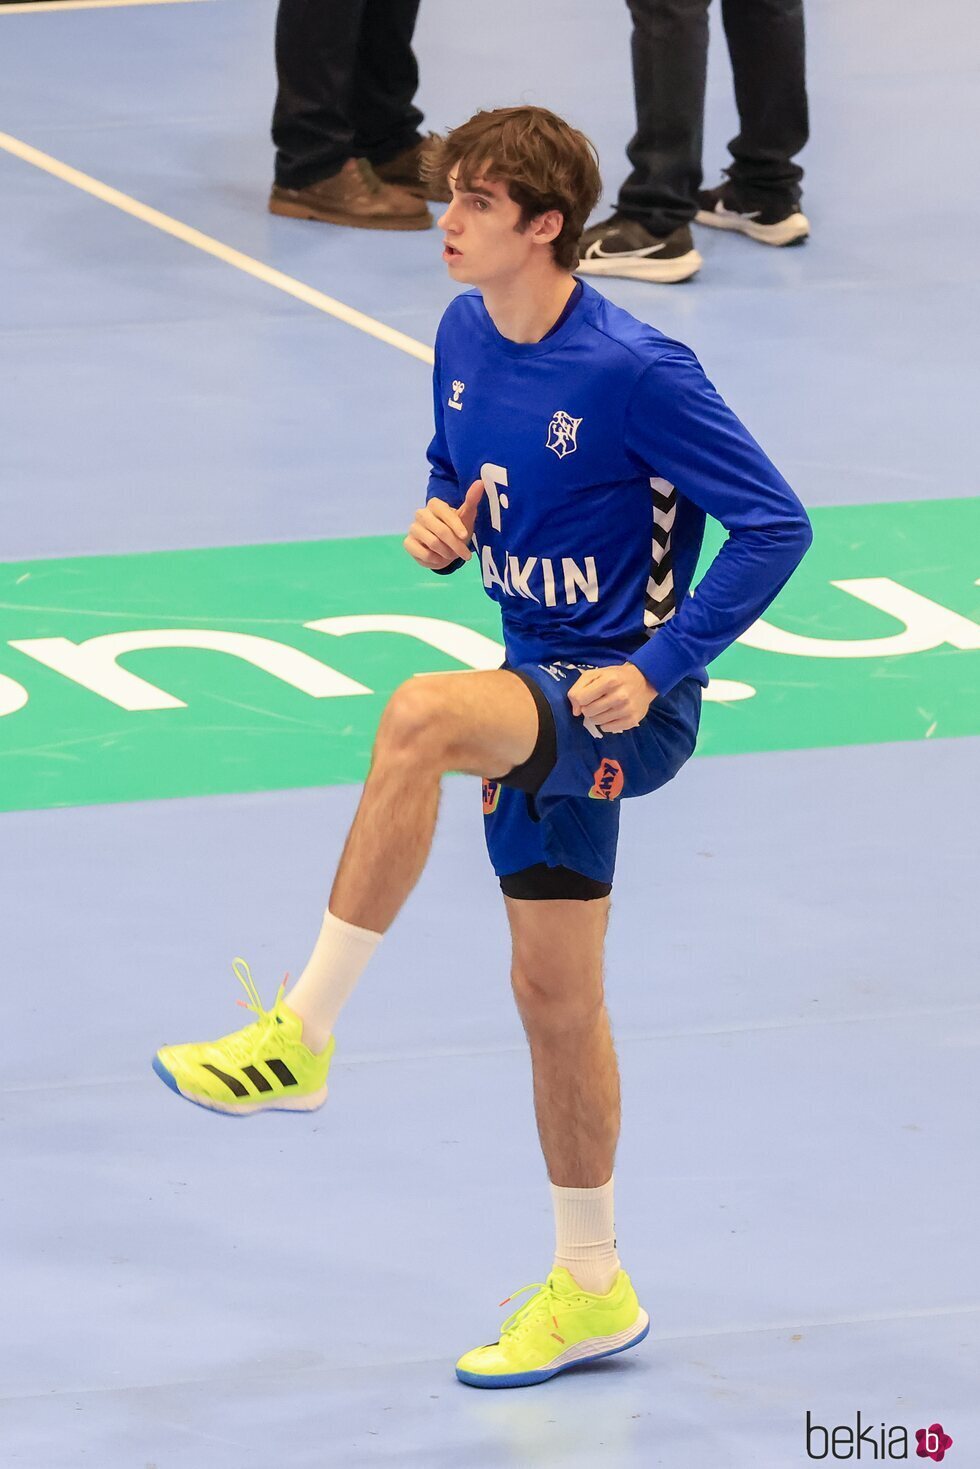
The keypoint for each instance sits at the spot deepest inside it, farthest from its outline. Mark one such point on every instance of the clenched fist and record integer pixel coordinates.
(439, 534)
(615, 699)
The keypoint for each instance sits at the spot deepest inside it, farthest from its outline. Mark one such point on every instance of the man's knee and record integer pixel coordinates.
(418, 721)
(551, 1000)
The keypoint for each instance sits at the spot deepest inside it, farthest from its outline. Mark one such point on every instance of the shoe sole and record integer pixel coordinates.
(662, 272)
(353, 221)
(788, 231)
(579, 1356)
(308, 1103)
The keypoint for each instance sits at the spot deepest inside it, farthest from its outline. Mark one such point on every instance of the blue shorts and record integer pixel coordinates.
(543, 834)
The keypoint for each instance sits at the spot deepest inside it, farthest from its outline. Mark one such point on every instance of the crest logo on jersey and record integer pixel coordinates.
(454, 402)
(608, 781)
(491, 795)
(562, 432)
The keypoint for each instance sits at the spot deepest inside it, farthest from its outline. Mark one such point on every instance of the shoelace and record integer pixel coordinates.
(522, 1315)
(266, 1020)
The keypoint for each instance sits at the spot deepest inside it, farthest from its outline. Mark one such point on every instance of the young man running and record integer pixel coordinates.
(576, 454)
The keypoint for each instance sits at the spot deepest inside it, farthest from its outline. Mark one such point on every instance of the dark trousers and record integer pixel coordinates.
(347, 77)
(670, 62)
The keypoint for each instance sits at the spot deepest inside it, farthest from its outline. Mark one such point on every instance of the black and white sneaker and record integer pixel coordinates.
(624, 247)
(720, 209)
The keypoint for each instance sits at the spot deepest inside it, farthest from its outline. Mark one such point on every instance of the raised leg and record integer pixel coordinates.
(479, 723)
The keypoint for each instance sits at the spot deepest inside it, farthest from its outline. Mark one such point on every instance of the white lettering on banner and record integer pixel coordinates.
(462, 643)
(727, 691)
(927, 625)
(475, 649)
(93, 663)
(13, 696)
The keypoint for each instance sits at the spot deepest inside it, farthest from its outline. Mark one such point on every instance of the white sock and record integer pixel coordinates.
(585, 1236)
(333, 969)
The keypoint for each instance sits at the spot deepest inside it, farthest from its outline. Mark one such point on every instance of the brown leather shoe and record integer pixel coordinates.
(404, 171)
(355, 196)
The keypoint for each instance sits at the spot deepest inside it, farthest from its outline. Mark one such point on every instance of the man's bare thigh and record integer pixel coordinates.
(490, 718)
(558, 942)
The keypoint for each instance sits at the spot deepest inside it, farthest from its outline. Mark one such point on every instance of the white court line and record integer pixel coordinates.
(35, 7)
(225, 253)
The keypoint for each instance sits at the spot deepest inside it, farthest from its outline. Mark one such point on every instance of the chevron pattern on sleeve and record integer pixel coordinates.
(659, 601)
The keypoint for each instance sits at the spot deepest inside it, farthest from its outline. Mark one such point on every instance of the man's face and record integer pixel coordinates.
(483, 241)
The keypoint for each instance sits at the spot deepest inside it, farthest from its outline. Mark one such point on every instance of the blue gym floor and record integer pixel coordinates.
(792, 968)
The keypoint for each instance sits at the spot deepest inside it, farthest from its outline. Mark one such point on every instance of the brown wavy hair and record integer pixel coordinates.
(543, 162)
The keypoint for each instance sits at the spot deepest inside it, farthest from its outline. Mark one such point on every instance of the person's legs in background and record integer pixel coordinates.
(761, 198)
(316, 48)
(386, 78)
(649, 237)
(670, 63)
(320, 172)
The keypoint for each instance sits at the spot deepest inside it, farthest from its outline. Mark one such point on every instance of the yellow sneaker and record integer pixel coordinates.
(560, 1326)
(264, 1067)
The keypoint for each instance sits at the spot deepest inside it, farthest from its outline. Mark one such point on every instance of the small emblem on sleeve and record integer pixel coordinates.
(454, 402)
(608, 781)
(491, 795)
(562, 433)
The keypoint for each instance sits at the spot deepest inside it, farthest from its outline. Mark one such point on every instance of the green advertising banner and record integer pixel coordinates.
(251, 668)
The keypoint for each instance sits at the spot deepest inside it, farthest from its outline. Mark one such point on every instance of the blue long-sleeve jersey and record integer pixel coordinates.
(602, 448)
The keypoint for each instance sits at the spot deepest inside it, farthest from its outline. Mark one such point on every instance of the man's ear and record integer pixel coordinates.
(547, 227)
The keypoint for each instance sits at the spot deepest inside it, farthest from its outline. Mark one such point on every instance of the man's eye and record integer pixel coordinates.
(480, 204)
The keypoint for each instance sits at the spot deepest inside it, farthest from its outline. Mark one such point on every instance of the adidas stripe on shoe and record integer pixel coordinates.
(263, 1067)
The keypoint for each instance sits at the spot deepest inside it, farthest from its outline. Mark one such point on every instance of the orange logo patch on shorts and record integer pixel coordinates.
(608, 781)
(491, 795)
